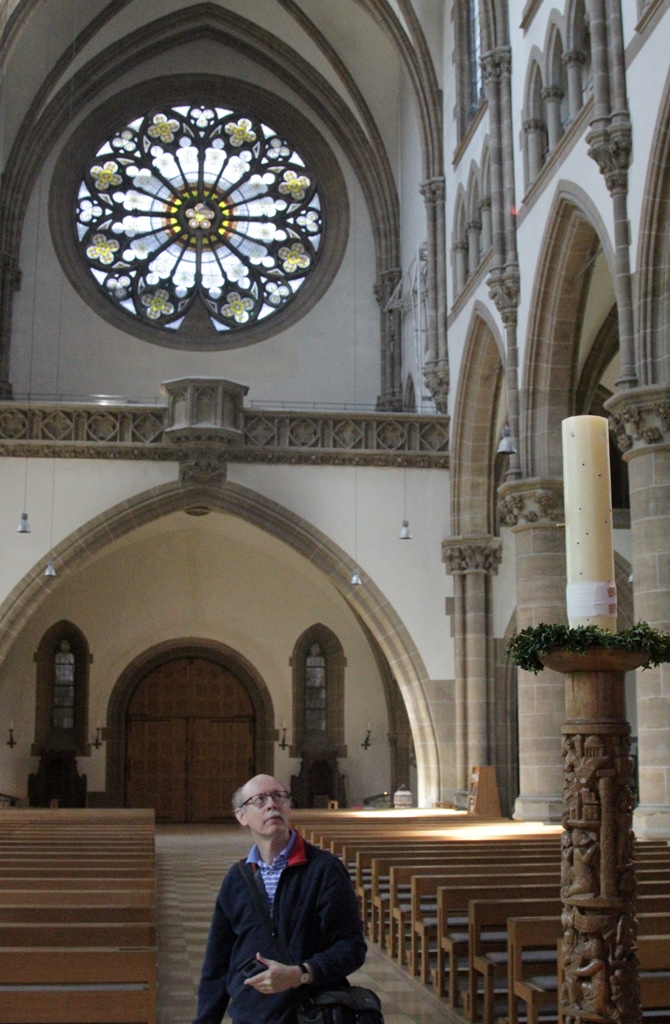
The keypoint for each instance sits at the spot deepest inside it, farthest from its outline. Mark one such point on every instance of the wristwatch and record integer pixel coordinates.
(305, 975)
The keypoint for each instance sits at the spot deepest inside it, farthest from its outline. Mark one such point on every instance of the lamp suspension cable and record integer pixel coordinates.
(50, 570)
(405, 532)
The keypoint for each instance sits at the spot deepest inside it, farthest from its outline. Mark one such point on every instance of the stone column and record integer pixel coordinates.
(553, 97)
(10, 282)
(472, 561)
(487, 224)
(534, 129)
(436, 373)
(391, 326)
(534, 510)
(460, 251)
(610, 145)
(474, 232)
(574, 65)
(641, 420)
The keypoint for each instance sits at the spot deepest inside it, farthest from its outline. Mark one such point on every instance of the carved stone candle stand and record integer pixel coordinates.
(600, 964)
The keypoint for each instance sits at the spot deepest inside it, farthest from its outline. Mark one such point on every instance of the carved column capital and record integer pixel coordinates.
(437, 382)
(433, 190)
(533, 124)
(534, 502)
(575, 58)
(471, 554)
(611, 148)
(640, 417)
(496, 64)
(504, 290)
(386, 284)
(553, 93)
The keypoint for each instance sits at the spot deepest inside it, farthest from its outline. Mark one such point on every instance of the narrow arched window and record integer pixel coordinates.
(315, 690)
(474, 53)
(62, 664)
(318, 664)
(467, 55)
(62, 716)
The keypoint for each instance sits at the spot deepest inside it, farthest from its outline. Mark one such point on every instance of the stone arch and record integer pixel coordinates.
(574, 234)
(459, 247)
(368, 602)
(534, 120)
(153, 657)
(555, 80)
(474, 424)
(654, 256)
(62, 101)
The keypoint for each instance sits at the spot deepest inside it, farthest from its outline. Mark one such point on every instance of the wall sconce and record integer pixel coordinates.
(367, 742)
(282, 744)
(11, 742)
(98, 741)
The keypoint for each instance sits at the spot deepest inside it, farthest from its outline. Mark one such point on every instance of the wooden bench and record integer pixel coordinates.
(530, 944)
(77, 917)
(383, 895)
(487, 947)
(422, 917)
(77, 985)
(453, 921)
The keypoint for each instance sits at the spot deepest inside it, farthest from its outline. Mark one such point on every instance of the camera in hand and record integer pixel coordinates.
(252, 966)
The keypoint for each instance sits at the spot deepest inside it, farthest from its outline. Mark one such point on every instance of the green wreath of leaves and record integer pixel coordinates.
(527, 646)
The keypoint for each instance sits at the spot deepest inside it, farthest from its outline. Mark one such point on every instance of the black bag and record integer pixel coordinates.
(354, 1005)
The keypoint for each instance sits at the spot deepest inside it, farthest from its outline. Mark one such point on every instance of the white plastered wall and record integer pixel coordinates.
(221, 579)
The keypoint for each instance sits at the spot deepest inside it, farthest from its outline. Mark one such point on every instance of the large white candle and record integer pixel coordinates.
(591, 590)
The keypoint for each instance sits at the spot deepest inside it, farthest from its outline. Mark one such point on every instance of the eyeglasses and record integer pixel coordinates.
(280, 796)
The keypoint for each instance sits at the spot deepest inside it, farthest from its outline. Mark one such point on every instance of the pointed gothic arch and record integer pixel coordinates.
(475, 418)
(574, 234)
(368, 602)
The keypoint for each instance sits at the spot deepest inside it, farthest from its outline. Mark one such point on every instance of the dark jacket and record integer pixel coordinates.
(315, 912)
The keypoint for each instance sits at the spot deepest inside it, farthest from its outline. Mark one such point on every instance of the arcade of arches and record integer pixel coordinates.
(276, 278)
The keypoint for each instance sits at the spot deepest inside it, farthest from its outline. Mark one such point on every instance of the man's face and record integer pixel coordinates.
(269, 821)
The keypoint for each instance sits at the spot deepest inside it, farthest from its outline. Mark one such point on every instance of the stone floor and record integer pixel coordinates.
(191, 862)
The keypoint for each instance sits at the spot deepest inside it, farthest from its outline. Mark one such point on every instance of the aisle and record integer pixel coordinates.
(191, 862)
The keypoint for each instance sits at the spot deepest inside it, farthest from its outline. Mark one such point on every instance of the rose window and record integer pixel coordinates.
(199, 205)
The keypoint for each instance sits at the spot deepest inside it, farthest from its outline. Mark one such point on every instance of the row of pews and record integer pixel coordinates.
(77, 916)
(475, 911)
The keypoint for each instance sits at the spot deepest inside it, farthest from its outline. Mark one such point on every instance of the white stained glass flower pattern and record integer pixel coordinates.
(199, 204)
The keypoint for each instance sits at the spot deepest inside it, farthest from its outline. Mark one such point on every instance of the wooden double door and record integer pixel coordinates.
(190, 741)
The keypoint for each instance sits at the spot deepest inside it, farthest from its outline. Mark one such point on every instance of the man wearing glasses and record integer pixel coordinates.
(312, 906)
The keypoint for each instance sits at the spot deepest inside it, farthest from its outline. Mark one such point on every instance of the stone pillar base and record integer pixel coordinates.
(652, 821)
(547, 809)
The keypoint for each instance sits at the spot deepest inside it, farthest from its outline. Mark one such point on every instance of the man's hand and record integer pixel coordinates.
(277, 978)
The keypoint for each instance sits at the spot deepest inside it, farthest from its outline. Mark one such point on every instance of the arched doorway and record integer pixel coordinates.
(190, 740)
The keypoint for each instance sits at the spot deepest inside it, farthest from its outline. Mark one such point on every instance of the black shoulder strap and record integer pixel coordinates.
(254, 880)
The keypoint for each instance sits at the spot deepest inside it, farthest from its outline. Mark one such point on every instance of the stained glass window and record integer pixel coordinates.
(315, 690)
(192, 204)
(63, 693)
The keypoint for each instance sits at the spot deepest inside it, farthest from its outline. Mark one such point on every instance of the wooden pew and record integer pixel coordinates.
(77, 985)
(422, 915)
(528, 938)
(77, 917)
(383, 894)
(452, 925)
(487, 947)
